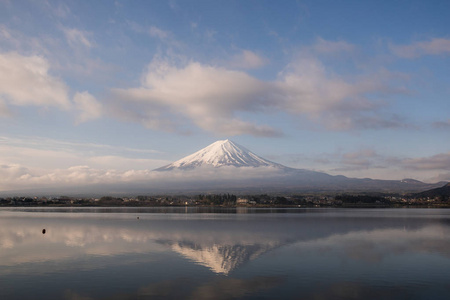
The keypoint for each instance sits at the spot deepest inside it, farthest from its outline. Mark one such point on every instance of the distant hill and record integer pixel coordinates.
(440, 191)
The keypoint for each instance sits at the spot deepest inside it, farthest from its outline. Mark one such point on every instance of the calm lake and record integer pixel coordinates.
(193, 253)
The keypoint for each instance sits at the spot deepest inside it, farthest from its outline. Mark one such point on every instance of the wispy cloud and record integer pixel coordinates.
(434, 46)
(309, 88)
(60, 10)
(46, 143)
(362, 159)
(16, 41)
(159, 33)
(76, 37)
(323, 46)
(371, 163)
(442, 124)
(4, 111)
(43, 155)
(89, 107)
(166, 37)
(248, 60)
(55, 49)
(436, 162)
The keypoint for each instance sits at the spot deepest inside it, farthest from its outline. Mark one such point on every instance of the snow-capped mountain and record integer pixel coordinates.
(219, 154)
(227, 166)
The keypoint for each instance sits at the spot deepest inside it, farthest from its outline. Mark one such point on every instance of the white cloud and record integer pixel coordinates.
(4, 111)
(36, 162)
(369, 163)
(439, 161)
(125, 163)
(38, 159)
(25, 80)
(81, 176)
(434, 46)
(441, 177)
(12, 172)
(88, 106)
(42, 163)
(376, 245)
(205, 95)
(248, 60)
(173, 97)
(308, 88)
(20, 177)
(76, 38)
(74, 169)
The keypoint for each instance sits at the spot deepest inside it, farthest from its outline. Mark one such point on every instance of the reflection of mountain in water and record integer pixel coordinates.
(221, 259)
(220, 242)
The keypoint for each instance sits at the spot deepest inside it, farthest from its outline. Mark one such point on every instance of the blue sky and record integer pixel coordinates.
(91, 88)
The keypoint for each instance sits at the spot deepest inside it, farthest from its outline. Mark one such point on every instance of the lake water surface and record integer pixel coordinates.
(193, 253)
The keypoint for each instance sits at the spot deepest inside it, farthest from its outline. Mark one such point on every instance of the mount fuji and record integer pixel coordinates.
(220, 154)
(228, 166)
(225, 167)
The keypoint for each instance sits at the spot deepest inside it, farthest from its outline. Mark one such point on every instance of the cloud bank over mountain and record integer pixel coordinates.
(220, 167)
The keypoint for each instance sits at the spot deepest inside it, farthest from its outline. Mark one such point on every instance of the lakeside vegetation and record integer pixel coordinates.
(230, 200)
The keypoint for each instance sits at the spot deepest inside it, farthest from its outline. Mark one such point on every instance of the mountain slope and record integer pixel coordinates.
(227, 166)
(220, 154)
(440, 191)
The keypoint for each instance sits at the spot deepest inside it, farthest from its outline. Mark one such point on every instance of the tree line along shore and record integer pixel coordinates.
(231, 200)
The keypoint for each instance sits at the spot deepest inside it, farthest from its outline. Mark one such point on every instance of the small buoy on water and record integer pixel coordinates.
(43, 231)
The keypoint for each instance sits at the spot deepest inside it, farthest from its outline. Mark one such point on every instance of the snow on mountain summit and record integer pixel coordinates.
(218, 154)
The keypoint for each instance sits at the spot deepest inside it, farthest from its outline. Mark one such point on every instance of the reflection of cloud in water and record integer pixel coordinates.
(183, 288)
(67, 242)
(373, 246)
(71, 295)
(71, 238)
(356, 290)
(221, 243)
(231, 288)
(166, 289)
